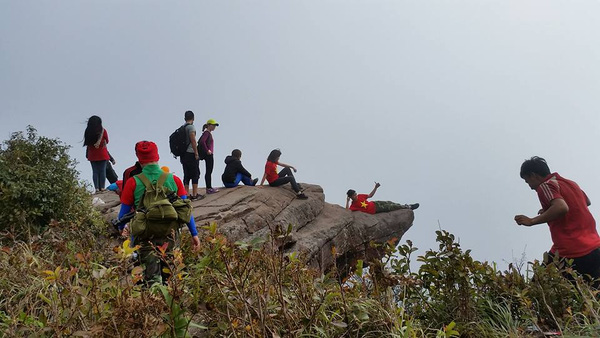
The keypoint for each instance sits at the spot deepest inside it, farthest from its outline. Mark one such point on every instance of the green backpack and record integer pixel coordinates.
(159, 211)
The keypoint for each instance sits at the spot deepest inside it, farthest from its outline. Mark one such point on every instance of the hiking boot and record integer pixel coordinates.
(211, 190)
(301, 196)
(254, 181)
(413, 206)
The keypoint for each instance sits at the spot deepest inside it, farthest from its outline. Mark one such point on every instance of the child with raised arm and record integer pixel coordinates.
(283, 177)
(359, 202)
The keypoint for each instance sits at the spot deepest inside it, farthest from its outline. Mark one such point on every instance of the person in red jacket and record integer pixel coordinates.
(565, 209)
(360, 203)
(95, 138)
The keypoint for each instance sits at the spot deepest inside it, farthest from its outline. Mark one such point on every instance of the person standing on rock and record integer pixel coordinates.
(235, 172)
(95, 138)
(359, 202)
(191, 159)
(565, 209)
(285, 176)
(206, 145)
(135, 188)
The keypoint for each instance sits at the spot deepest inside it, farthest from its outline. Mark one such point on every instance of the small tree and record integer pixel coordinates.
(38, 185)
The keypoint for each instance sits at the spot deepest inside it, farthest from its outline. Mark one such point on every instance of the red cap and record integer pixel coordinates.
(146, 152)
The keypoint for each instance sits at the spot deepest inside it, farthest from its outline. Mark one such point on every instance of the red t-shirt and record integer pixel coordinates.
(128, 196)
(100, 153)
(573, 235)
(361, 204)
(271, 171)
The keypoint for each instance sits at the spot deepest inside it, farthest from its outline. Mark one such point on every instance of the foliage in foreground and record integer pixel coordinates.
(66, 283)
(38, 186)
(250, 289)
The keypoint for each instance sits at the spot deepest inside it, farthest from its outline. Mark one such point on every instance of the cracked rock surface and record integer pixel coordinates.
(243, 213)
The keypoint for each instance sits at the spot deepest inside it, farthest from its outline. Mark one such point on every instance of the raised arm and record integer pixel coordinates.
(347, 202)
(377, 185)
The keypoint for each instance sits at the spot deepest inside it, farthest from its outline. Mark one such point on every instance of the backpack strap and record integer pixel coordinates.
(145, 180)
(161, 180)
(147, 185)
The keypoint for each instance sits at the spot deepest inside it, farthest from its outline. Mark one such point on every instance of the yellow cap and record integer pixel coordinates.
(212, 121)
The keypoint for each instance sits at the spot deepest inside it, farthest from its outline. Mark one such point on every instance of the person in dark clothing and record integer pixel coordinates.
(130, 172)
(191, 159)
(235, 172)
(111, 175)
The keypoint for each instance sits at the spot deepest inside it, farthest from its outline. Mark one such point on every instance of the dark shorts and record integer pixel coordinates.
(191, 168)
(588, 265)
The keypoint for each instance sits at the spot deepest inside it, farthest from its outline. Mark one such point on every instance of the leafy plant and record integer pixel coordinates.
(38, 186)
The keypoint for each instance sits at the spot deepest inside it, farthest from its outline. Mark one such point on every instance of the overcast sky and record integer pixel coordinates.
(439, 101)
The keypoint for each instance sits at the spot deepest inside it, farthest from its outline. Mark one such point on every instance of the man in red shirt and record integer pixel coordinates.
(565, 209)
(360, 203)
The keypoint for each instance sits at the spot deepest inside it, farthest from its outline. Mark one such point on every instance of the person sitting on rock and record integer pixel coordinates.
(235, 172)
(283, 177)
(360, 203)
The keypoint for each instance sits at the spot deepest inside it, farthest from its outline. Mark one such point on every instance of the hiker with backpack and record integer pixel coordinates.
(206, 148)
(183, 144)
(161, 205)
(283, 177)
(235, 172)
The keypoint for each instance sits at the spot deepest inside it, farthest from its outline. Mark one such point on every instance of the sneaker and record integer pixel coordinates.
(413, 206)
(302, 196)
(197, 197)
(254, 181)
(211, 190)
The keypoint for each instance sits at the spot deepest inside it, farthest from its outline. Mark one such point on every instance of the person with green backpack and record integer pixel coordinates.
(161, 208)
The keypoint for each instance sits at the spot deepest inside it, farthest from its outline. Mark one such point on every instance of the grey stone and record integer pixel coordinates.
(244, 213)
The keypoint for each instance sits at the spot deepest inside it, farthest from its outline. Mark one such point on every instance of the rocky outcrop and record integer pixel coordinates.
(243, 213)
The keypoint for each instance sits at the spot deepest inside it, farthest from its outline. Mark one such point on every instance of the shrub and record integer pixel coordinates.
(38, 186)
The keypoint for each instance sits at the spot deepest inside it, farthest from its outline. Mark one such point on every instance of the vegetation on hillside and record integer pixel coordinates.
(62, 277)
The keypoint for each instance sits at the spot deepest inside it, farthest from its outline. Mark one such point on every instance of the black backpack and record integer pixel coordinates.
(179, 141)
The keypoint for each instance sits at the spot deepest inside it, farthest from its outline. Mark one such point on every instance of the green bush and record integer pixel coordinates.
(38, 186)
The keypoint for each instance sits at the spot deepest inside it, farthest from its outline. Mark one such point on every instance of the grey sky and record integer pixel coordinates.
(440, 101)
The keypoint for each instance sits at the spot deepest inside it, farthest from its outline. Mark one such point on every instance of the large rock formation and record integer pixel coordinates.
(243, 213)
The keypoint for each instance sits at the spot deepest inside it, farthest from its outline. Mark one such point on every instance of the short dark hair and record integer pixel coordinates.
(535, 165)
(350, 193)
(236, 153)
(189, 115)
(274, 155)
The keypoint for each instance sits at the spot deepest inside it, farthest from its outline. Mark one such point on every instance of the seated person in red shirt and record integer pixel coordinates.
(565, 209)
(285, 176)
(360, 203)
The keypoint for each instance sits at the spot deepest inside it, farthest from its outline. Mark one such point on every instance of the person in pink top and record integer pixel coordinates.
(565, 209)
(95, 138)
(206, 146)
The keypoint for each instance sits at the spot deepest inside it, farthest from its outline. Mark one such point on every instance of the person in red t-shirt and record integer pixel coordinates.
(95, 138)
(360, 203)
(283, 177)
(565, 209)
